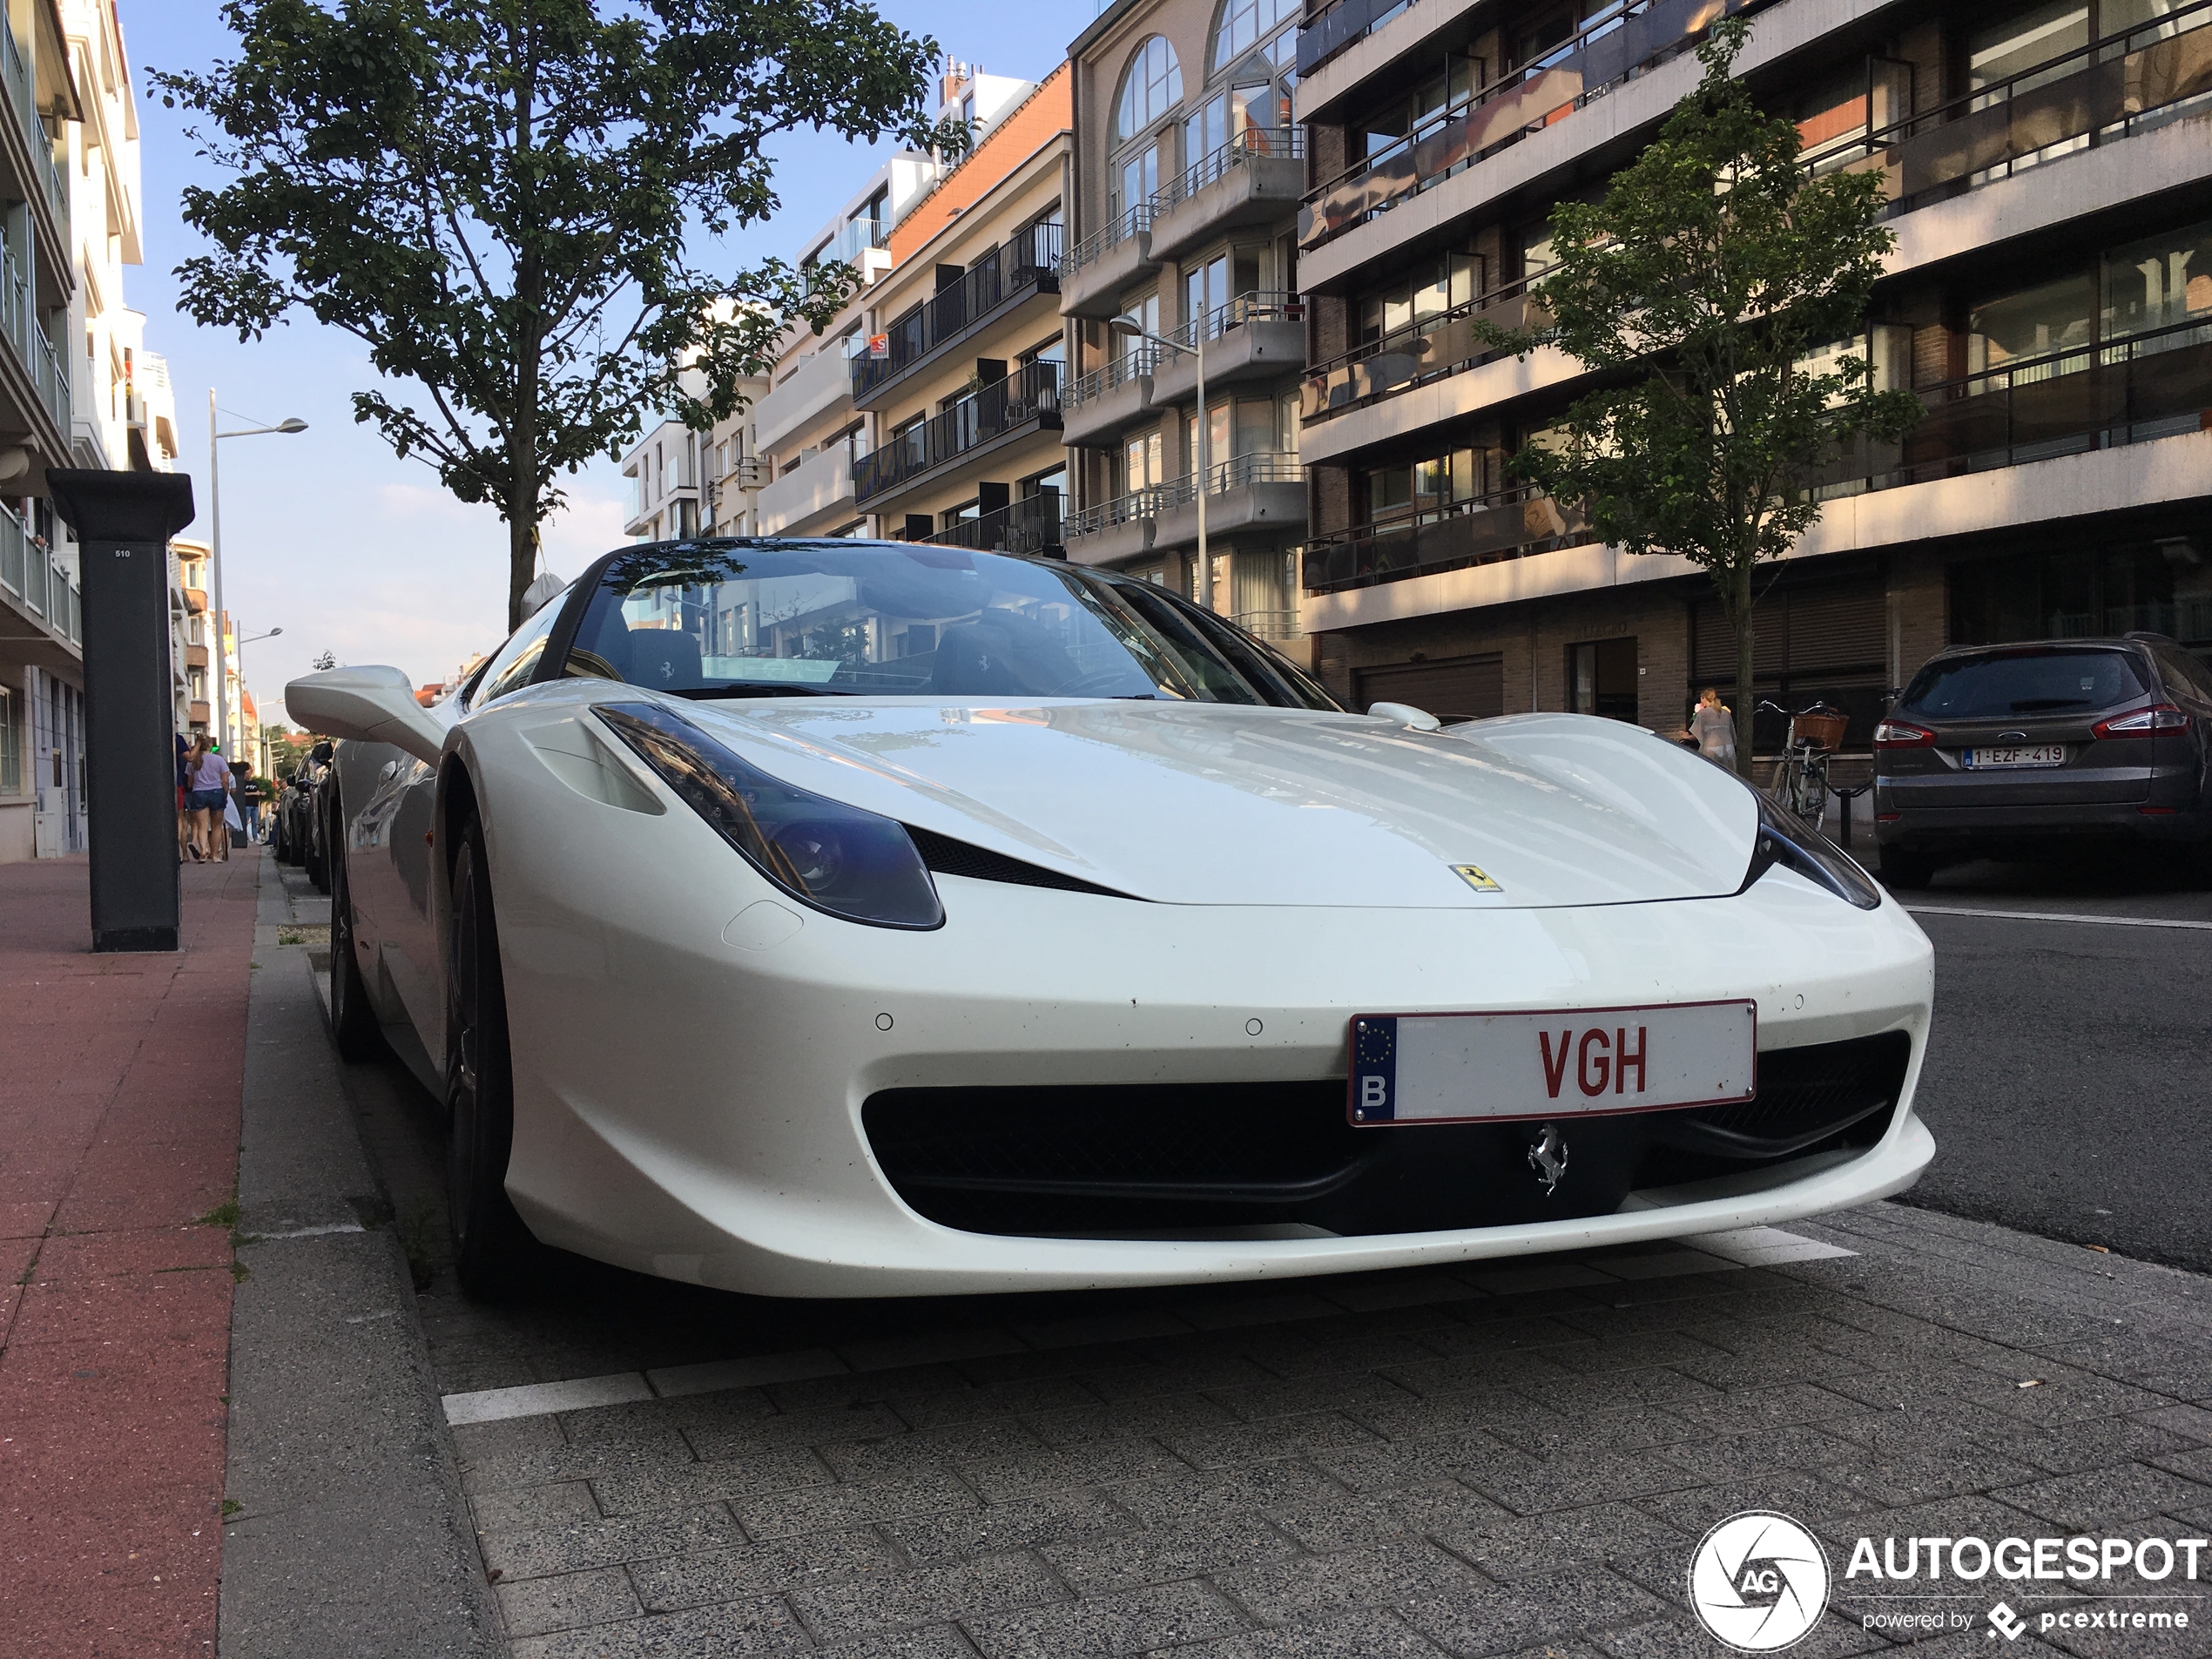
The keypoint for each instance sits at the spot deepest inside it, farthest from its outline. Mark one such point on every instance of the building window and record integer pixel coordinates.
(1428, 290)
(1428, 486)
(1601, 678)
(1151, 86)
(1144, 455)
(11, 745)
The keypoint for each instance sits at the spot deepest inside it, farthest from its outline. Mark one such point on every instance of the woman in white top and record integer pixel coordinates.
(1714, 727)
(207, 775)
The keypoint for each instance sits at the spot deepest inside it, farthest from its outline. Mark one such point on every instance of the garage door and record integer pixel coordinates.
(1463, 688)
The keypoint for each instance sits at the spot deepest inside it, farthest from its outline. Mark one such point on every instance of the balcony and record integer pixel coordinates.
(1481, 530)
(38, 587)
(23, 103)
(1029, 526)
(1106, 399)
(2148, 386)
(1101, 266)
(1523, 100)
(1001, 413)
(998, 289)
(2128, 82)
(853, 246)
(1255, 337)
(812, 499)
(821, 382)
(1427, 349)
(1257, 177)
(195, 657)
(1263, 493)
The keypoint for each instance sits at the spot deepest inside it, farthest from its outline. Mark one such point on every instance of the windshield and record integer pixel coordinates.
(826, 618)
(2044, 682)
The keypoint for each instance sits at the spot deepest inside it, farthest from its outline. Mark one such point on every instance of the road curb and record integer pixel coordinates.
(351, 1535)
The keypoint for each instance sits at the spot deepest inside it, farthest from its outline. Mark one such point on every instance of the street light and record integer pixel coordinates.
(238, 648)
(215, 547)
(1135, 330)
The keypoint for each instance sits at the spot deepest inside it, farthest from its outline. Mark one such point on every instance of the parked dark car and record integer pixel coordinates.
(2032, 750)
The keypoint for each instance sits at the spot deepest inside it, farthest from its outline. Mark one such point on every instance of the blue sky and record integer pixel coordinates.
(329, 535)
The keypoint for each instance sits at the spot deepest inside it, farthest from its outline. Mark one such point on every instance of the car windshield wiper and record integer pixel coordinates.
(758, 688)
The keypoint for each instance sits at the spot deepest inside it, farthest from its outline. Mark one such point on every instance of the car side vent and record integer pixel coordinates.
(948, 857)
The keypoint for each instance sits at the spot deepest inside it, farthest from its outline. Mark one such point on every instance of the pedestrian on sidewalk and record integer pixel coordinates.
(183, 804)
(1713, 726)
(209, 777)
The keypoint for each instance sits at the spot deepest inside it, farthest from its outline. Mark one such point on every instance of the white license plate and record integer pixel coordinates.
(1578, 1062)
(2040, 754)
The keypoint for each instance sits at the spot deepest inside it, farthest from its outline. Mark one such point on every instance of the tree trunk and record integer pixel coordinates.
(1737, 602)
(522, 565)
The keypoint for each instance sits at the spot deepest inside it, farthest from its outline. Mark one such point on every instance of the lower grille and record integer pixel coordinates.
(1146, 1156)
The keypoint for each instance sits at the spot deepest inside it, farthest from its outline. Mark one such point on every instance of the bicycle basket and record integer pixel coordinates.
(1822, 731)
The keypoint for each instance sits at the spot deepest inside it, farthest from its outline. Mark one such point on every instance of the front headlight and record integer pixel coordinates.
(824, 853)
(1787, 840)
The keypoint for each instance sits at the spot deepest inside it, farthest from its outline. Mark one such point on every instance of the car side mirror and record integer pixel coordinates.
(367, 706)
(1405, 714)
(321, 753)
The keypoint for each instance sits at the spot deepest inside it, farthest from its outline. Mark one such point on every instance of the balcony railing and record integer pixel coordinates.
(1124, 225)
(1031, 393)
(1026, 263)
(1253, 143)
(1261, 467)
(1524, 99)
(2129, 80)
(13, 545)
(22, 97)
(31, 573)
(1479, 530)
(1425, 350)
(846, 247)
(2152, 385)
(2148, 386)
(1030, 525)
(1259, 306)
(1140, 358)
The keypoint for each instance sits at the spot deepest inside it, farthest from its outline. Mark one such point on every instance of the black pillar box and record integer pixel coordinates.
(124, 521)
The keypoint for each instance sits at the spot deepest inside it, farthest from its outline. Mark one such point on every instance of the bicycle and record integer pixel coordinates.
(1800, 781)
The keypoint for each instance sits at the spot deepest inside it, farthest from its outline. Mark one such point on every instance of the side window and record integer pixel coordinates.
(517, 660)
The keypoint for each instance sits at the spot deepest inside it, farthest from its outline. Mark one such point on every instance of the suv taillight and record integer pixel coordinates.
(1899, 734)
(2142, 722)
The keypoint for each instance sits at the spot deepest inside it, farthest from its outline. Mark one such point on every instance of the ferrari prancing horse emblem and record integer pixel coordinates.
(1548, 1158)
(1473, 874)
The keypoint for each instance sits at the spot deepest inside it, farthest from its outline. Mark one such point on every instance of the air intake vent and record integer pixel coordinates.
(948, 857)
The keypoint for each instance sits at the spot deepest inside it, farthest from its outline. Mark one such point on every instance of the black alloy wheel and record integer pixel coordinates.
(353, 1020)
(493, 1253)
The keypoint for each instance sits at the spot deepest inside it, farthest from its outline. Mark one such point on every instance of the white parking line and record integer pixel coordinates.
(2058, 915)
(1704, 1253)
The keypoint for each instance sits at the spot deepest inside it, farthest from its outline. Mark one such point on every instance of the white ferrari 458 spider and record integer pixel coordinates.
(837, 919)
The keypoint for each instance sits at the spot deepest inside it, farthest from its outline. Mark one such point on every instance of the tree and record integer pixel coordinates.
(325, 661)
(494, 197)
(1708, 287)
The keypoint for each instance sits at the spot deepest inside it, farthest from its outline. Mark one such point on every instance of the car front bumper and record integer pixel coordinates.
(690, 1071)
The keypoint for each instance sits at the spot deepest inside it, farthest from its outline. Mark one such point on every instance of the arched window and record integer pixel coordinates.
(1242, 25)
(1151, 86)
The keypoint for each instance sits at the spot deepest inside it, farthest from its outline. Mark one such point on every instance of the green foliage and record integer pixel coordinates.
(494, 196)
(1712, 271)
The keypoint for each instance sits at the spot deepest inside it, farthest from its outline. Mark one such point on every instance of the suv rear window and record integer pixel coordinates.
(2044, 682)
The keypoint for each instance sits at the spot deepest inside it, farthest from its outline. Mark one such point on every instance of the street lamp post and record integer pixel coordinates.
(215, 550)
(1135, 330)
(240, 649)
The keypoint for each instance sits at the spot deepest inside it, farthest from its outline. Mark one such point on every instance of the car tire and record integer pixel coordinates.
(352, 1020)
(493, 1253)
(1902, 867)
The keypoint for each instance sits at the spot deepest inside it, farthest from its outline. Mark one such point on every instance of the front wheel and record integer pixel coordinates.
(493, 1253)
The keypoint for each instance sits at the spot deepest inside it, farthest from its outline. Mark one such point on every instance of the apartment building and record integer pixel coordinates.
(2047, 165)
(1190, 168)
(965, 361)
(810, 433)
(190, 638)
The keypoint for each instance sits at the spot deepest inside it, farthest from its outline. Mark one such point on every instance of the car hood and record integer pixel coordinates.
(1192, 803)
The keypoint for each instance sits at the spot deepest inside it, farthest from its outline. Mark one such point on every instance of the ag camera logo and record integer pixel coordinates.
(1758, 1581)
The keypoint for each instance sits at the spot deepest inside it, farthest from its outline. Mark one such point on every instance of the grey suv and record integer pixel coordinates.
(2017, 750)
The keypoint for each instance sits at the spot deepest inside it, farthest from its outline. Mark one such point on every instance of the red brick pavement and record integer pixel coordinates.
(119, 1086)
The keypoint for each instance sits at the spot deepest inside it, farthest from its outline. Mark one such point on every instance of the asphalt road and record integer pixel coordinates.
(2068, 1079)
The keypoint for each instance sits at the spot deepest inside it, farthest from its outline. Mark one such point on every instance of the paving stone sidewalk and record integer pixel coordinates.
(1514, 1458)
